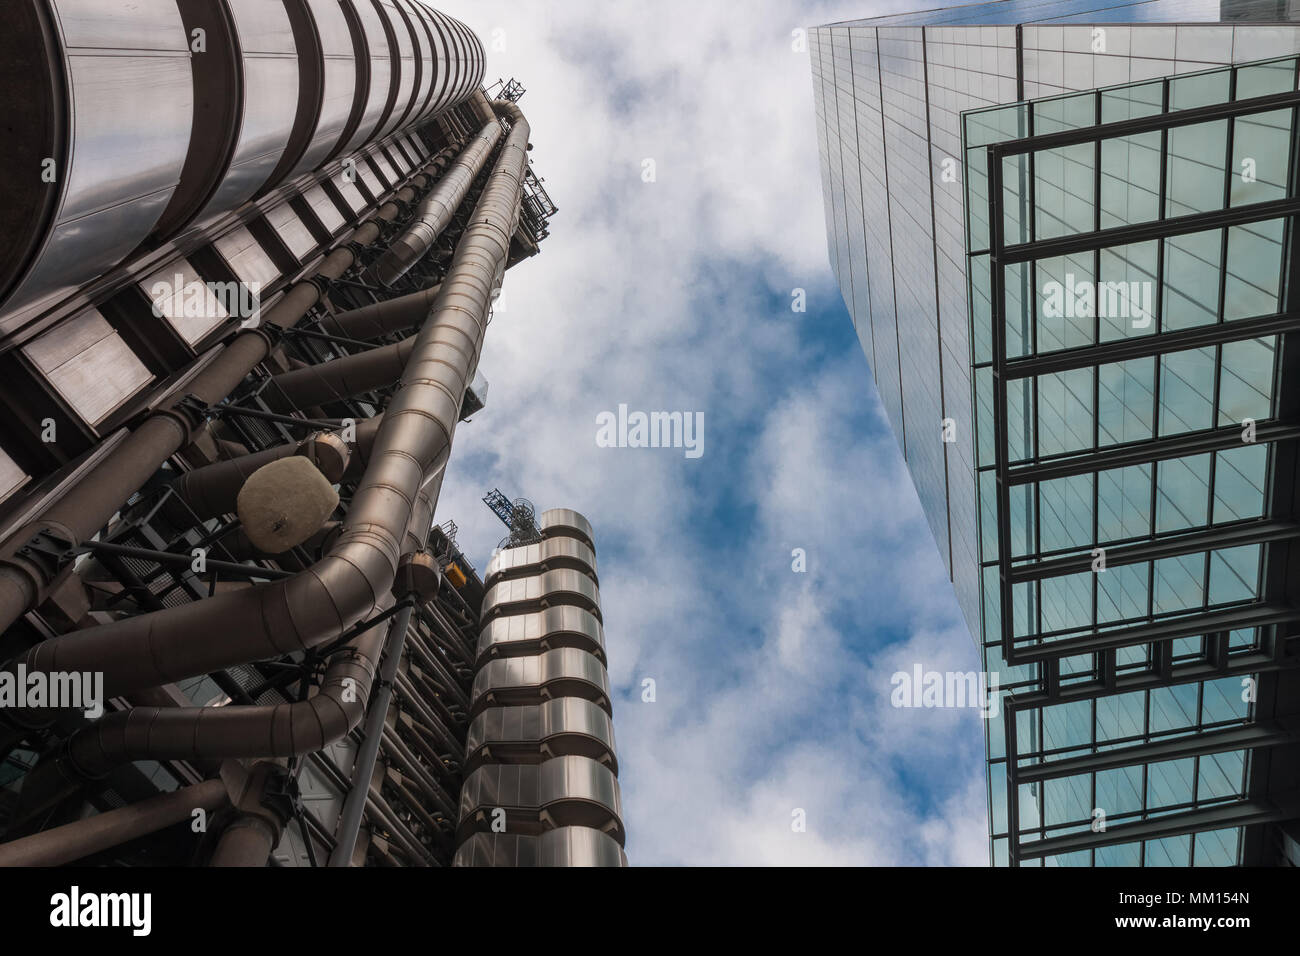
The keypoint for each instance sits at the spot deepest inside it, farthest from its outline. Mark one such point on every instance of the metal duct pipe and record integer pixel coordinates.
(402, 755)
(203, 733)
(355, 805)
(434, 666)
(211, 490)
(421, 521)
(246, 842)
(420, 747)
(263, 812)
(428, 719)
(382, 318)
(452, 635)
(88, 506)
(351, 581)
(236, 543)
(436, 209)
(77, 840)
(379, 807)
(339, 378)
(414, 801)
(363, 446)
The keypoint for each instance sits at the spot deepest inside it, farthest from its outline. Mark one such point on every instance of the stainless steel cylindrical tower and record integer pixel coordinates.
(541, 785)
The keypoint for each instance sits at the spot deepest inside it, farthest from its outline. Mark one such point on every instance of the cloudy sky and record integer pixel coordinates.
(771, 686)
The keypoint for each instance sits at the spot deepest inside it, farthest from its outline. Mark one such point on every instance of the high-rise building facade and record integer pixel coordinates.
(1065, 236)
(251, 250)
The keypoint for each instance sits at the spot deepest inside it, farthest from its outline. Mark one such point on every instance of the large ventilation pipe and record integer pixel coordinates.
(87, 507)
(436, 210)
(347, 585)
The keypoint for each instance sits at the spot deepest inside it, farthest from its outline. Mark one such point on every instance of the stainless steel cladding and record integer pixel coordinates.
(539, 755)
(89, 179)
(565, 846)
(227, 100)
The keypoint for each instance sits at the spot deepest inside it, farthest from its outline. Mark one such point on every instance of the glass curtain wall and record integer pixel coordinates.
(1128, 257)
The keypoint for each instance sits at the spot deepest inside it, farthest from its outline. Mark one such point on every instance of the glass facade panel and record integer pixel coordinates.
(1109, 391)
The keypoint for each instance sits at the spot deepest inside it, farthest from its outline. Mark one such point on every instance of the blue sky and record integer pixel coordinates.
(772, 687)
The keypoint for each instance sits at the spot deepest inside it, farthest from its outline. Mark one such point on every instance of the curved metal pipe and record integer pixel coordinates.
(246, 842)
(202, 733)
(436, 209)
(434, 666)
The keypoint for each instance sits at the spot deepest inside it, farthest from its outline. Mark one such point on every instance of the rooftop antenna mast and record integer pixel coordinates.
(519, 516)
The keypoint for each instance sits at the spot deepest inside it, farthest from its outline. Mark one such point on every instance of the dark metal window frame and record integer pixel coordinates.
(1274, 531)
(1005, 370)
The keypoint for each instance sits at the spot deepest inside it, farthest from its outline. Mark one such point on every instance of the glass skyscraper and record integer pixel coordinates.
(1067, 244)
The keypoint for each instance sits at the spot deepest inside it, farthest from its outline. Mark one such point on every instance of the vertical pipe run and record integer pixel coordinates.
(354, 806)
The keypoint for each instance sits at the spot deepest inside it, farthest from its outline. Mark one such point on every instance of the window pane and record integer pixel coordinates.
(1131, 102)
(1261, 79)
(1261, 154)
(1124, 401)
(1126, 295)
(1200, 89)
(1239, 483)
(1063, 190)
(1063, 320)
(1180, 583)
(1015, 199)
(1246, 380)
(1234, 574)
(1016, 298)
(1065, 512)
(1191, 289)
(1186, 390)
(1195, 168)
(1130, 179)
(1124, 503)
(1182, 493)
(1254, 270)
(1122, 593)
(1065, 411)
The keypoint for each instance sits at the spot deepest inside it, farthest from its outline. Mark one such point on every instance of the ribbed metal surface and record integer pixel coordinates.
(280, 87)
(558, 552)
(562, 791)
(542, 787)
(563, 671)
(519, 634)
(567, 846)
(562, 586)
(563, 726)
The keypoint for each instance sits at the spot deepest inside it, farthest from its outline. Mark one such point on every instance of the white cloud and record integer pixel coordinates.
(674, 295)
